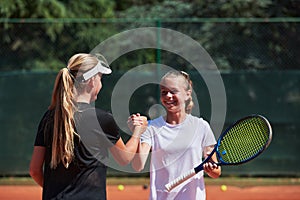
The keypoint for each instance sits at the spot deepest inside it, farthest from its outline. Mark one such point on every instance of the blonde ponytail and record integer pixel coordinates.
(189, 104)
(63, 129)
(63, 102)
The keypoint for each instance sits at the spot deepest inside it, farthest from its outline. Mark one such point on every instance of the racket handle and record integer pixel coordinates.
(180, 180)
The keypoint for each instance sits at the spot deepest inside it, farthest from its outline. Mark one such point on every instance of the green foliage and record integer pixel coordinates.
(233, 44)
(127, 4)
(89, 8)
(43, 34)
(165, 9)
(233, 8)
(44, 39)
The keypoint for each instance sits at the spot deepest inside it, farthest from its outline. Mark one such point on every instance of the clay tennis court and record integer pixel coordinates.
(137, 192)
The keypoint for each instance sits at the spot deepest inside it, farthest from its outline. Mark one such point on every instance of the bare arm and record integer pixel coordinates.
(140, 158)
(124, 153)
(36, 164)
(143, 149)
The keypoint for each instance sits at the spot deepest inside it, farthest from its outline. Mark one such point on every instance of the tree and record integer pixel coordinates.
(228, 34)
(39, 35)
(44, 34)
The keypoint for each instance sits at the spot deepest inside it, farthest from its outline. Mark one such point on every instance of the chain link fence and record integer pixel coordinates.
(256, 58)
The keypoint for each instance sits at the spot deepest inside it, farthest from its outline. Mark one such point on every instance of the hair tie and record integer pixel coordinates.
(70, 73)
(69, 70)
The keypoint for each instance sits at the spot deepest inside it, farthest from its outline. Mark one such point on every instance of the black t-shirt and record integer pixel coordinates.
(85, 178)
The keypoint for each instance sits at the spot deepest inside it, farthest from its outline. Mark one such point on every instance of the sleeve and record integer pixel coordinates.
(146, 136)
(109, 126)
(209, 138)
(39, 139)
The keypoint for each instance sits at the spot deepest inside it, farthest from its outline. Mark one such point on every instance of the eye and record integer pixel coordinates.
(163, 93)
(174, 91)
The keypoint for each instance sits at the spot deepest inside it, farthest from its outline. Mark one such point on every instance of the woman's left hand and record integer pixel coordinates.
(137, 120)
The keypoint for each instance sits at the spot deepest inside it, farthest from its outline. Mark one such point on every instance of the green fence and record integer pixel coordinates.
(257, 57)
(233, 43)
(275, 94)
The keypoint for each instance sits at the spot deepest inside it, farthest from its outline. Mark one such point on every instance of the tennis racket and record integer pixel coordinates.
(241, 142)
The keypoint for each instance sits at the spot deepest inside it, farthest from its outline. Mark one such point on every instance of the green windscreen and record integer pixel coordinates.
(25, 96)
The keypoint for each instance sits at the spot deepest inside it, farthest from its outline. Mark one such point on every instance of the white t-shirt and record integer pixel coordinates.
(177, 149)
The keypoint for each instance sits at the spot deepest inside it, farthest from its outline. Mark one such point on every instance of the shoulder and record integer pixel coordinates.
(90, 116)
(45, 129)
(102, 112)
(104, 116)
(108, 124)
(153, 126)
(157, 122)
(197, 120)
(199, 123)
(107, 121)
(89, 111)
(47, 118)
(49, 114)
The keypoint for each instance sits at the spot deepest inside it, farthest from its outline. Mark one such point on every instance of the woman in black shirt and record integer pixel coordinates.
(74, 138)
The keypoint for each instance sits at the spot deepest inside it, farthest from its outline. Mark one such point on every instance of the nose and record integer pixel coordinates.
(169, 94)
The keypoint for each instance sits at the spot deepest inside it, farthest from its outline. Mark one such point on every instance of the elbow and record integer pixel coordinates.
(137, 168)
(34, 172)
(37, 176)
(123, 162)
(121, 159)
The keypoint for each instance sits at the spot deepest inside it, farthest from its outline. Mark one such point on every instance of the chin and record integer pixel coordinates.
(173, 110)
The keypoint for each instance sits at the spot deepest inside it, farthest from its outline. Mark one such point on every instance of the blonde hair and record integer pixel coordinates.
(63, 105)
(189, 104)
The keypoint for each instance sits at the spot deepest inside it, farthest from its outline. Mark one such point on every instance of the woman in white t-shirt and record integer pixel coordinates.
(178, 141)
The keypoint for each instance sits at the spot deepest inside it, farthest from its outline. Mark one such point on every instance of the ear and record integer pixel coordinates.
(91, 82)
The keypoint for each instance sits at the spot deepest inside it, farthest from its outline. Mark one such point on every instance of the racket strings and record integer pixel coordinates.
(244, 140)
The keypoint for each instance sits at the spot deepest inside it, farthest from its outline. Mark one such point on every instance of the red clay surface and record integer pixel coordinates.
(138, 193)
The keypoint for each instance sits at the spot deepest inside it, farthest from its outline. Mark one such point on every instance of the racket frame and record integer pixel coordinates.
(219, 157)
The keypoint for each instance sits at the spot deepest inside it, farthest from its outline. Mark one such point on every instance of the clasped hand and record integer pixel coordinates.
(136, 120)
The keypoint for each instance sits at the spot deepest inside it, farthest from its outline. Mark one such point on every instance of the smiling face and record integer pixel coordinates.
(174, 93)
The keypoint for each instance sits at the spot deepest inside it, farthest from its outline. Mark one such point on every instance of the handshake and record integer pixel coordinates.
(137, 124)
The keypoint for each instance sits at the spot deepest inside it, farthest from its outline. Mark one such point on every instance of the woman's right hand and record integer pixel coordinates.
(136, 120)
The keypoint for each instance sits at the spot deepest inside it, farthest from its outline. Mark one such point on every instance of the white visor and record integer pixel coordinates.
(100, 67)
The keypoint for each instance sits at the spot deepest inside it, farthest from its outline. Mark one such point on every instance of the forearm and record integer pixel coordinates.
(36, 165)
(131, 149)
(137, 162)
(140, 158)
(132, 145)
(38, 177)
(124, 153)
